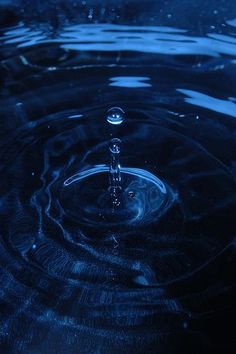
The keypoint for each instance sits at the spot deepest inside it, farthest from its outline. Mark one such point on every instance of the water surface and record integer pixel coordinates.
(165, 283)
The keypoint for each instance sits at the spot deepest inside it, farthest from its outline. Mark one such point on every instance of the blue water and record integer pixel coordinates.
(155, 274)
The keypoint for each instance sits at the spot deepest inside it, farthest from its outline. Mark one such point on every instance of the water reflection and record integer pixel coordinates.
(130, 81)
(212, 103)
(107, 37)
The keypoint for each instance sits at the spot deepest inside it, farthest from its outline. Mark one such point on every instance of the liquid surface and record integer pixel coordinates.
(154, 274)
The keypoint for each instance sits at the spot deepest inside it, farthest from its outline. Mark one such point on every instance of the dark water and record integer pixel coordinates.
(161, 277)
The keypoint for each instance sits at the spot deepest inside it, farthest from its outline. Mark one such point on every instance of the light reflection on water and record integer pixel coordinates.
(106, 37)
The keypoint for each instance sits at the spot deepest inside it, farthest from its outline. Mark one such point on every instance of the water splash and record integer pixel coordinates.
(133, 195)
(115, 173)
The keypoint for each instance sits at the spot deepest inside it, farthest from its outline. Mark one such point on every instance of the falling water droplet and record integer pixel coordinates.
(115, 146)
(115, 115)
(131, 194)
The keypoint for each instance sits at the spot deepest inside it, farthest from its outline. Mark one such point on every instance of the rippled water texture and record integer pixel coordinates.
(155, 275)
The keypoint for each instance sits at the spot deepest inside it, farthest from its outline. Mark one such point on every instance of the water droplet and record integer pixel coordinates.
(90, 16)
(115, 115)
(115, 146)
(131, 194)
